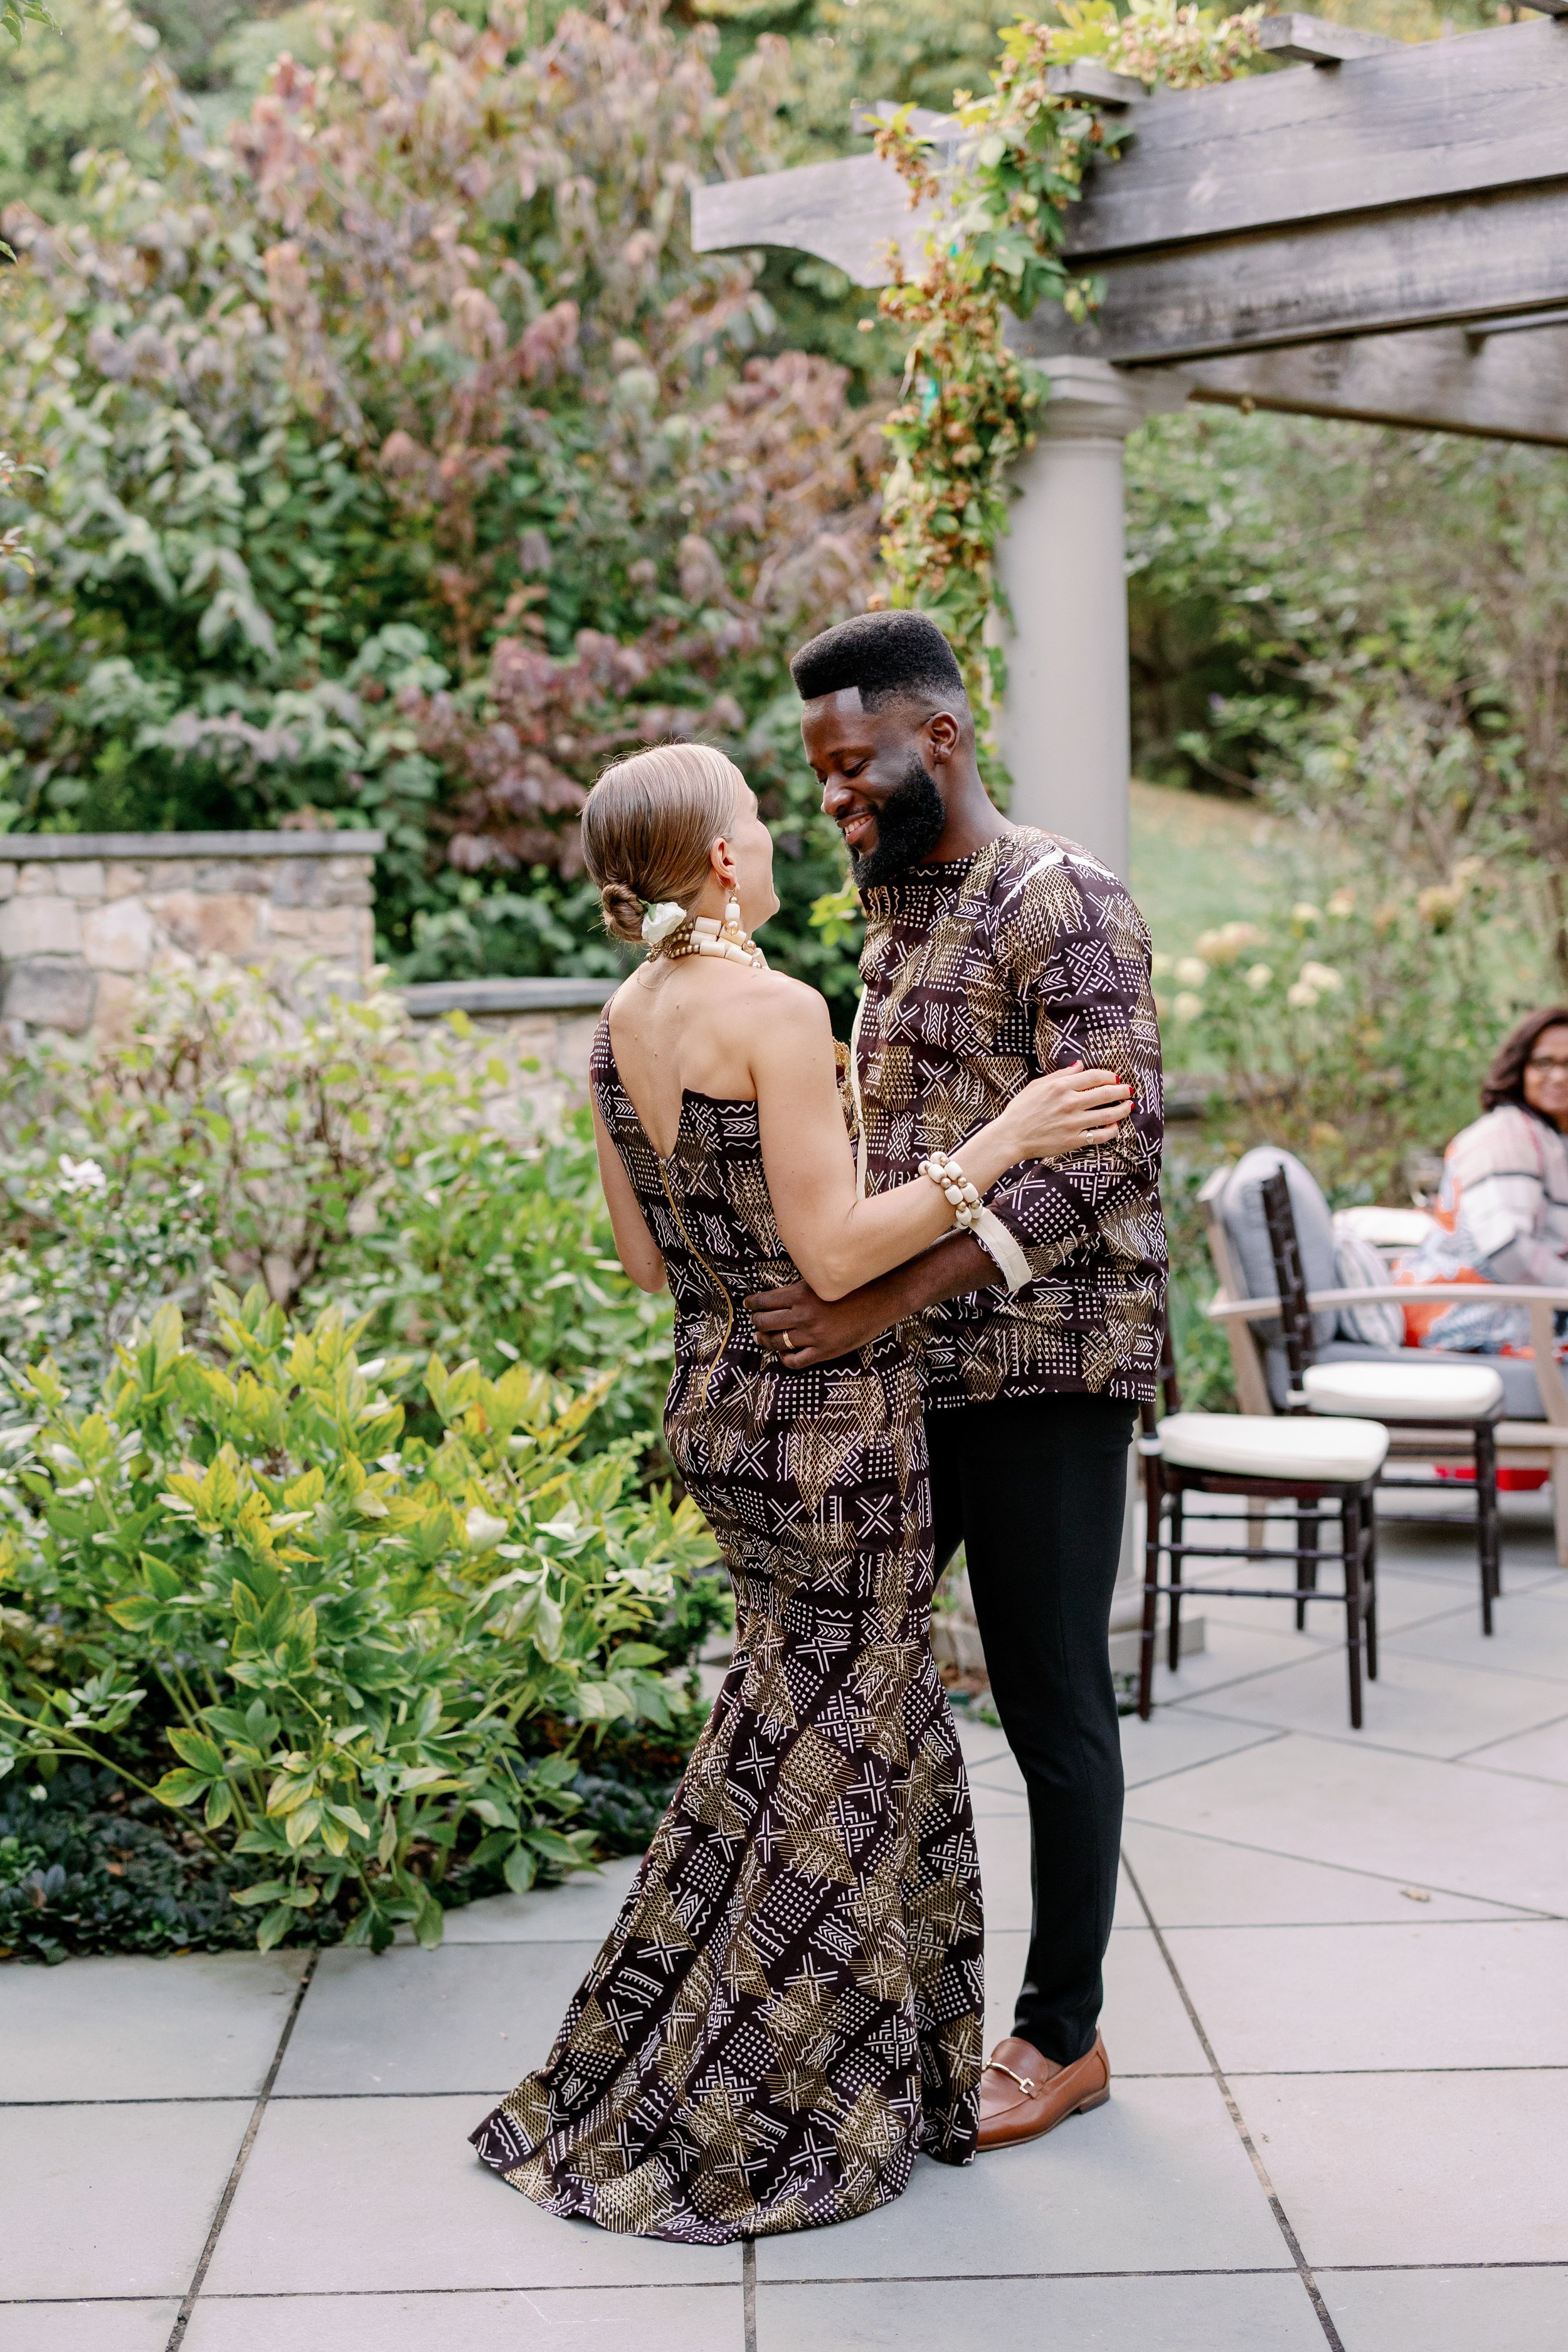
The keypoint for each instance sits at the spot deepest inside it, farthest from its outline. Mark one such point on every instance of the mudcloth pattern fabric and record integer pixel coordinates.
(979, 976)
(790, 2005)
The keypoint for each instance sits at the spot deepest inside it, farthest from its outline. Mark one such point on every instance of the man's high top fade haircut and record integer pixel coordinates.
(890, 657)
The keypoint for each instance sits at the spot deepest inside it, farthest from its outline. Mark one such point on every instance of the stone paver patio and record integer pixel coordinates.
(1337, 2010)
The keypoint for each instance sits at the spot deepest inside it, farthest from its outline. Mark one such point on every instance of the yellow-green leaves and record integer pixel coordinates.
(349, 1687)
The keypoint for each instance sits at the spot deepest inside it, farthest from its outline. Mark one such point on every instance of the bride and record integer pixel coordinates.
(789, 2006)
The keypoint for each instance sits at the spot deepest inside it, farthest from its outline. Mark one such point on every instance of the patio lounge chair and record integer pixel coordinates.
(1434, 1412)
(1321, 1466)
(1532, 1431)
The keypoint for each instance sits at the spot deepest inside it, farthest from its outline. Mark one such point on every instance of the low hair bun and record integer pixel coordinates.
(623, 911)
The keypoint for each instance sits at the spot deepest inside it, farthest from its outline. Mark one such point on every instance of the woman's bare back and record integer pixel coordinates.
(690, 1027)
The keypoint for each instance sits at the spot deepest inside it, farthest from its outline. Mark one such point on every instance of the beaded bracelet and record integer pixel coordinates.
(950, 1180)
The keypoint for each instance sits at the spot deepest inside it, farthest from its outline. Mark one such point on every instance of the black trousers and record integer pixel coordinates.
(1034, 1488)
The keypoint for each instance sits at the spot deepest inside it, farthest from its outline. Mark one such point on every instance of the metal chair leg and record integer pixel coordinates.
(1486, 1541)
(1350, 1548)
(1154, 1504)
(1307, 1523)
(1173, 1630)
(1369, 1574)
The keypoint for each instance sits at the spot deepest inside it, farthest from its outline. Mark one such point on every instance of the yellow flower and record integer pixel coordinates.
(1440, 904)
(1187, 1006)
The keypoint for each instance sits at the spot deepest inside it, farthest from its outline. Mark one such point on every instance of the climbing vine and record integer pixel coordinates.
(969, 404)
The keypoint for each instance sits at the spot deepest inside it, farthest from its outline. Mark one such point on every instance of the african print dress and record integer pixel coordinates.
(789, 2006)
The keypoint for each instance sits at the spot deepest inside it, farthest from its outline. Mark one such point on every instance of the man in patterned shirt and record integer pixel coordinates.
(995, 952)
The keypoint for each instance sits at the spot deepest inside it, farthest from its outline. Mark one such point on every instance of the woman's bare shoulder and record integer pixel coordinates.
(791, 1003)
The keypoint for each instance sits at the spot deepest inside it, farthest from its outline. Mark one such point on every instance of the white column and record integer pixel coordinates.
(1065, 730)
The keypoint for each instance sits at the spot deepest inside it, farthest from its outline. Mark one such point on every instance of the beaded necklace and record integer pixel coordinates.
(700, 935)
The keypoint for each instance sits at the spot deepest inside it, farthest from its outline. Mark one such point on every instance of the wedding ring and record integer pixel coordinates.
(788, 1347)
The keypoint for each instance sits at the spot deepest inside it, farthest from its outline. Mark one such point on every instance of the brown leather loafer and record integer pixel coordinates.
(1023, 2094)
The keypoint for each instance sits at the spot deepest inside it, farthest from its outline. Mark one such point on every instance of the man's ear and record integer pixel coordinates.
(943, 734)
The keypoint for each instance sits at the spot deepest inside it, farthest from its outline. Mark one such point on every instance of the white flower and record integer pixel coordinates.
(1306, 914)
(1343, 904)
(81, 1175)
(1322, 977)
(1192, 971)
(1187, 1006)
(1302, 995)
(660, 920)
(1223, 946)
(1161, 965)
(1258, 976)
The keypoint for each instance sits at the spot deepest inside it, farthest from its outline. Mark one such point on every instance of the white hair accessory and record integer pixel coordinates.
(660, 920)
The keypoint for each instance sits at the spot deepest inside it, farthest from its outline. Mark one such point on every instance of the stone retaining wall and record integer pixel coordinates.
(549, 1023)
(84, 917)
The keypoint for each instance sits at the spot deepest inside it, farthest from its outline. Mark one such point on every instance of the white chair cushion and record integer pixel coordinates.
(1360, 1268)
(1259, 1445)
(1405, 1391)
(1386, 1229)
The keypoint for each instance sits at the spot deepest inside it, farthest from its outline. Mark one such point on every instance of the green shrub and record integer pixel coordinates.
(1201, 1349)
(324, 1150)
(367, 1661)
(398, 456)
(87, 1866)
(476, 1247)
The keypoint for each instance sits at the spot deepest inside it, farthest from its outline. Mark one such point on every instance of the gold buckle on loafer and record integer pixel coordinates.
(995, 2065)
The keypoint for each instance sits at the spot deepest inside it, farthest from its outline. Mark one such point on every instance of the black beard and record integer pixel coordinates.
(910, 824)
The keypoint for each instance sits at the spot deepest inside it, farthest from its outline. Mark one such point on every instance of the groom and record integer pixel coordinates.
(995, 952)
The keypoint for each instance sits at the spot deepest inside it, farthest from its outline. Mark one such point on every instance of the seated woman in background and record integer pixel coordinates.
(1503, 1211)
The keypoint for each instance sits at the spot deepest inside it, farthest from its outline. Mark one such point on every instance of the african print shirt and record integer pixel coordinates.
(979, 976)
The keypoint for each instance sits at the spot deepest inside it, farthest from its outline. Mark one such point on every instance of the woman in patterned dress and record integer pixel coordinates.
(789, 2006)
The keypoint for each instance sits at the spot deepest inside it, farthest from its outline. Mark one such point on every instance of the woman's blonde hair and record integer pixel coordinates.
(649, 824)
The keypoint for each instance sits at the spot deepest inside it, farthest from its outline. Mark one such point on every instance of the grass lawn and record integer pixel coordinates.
(1199, 861)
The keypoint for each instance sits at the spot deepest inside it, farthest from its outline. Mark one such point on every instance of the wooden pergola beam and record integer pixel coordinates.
(1427, 265)
(1502, 387)
(1413, 186)
(1410, 124)
(1084, 79)
(851, 213)
(1314, 41)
